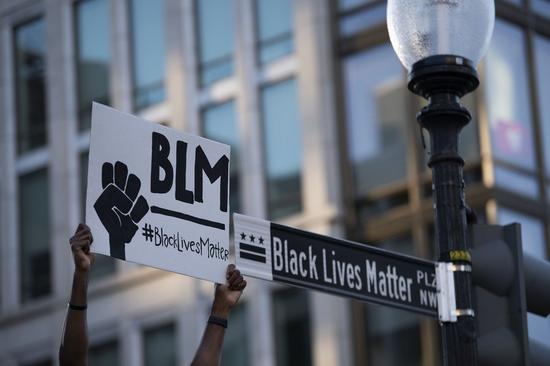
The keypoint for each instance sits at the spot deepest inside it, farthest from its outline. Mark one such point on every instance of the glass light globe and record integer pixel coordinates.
(422, 28)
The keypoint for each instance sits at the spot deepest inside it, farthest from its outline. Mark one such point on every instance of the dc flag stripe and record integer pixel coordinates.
(252, 257)
(252, 248)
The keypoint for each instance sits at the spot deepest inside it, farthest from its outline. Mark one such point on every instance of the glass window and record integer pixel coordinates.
(30, 76)
(393, 336)
(283, 148)
(532, 231)
(219, 124)
(235, 345)
(34, 235)
(541, 6)
(468, 144)
(375, 91)
(361, 20)
(274, 29)
(104, 355)
(215, 39)
(93, 57)
(148, 52)
(103, 265)
(539, 328)
(542, 55)
(292, 327)
(507, 91)
(160, 346)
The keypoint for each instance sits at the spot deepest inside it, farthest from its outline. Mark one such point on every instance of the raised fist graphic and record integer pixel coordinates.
(117, 207)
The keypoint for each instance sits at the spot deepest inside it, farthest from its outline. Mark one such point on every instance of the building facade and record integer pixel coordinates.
(313, 101)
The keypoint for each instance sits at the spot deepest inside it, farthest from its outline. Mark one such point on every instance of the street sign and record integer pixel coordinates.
(280, 253)
(157, 196)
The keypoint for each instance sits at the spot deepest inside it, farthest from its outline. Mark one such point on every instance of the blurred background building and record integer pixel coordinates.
(313, 101)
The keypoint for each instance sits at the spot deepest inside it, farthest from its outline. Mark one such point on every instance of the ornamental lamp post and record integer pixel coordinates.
(440, 43)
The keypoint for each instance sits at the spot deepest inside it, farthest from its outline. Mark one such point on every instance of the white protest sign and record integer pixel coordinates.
(157, 196)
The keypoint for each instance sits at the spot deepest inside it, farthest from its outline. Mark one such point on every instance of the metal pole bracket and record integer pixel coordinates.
(446, 296)
(446, 300)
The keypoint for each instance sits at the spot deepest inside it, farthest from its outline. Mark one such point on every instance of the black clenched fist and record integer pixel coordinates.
(117, 207)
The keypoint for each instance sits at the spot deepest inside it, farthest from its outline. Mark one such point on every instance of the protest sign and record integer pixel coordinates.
(157, 196)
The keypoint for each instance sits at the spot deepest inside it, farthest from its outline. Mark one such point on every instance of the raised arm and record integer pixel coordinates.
(74, 342)
(226, 297)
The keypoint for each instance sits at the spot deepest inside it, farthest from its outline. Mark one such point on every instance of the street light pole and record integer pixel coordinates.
(440, 42)
(443, 80)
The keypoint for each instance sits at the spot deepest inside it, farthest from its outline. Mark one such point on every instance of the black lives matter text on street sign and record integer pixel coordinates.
(280, 253)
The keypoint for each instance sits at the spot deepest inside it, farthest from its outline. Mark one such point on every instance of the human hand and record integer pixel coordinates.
(80, 247)
(118, 207)
(228, 294)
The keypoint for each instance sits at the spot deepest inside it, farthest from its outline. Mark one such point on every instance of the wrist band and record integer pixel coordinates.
(218, 321)
(78, 307)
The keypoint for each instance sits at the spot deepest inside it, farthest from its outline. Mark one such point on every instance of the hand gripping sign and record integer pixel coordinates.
(157, 196)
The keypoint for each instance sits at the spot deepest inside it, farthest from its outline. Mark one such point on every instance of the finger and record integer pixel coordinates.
(121, 173)
(80, 240)
(234, 285)
(132, 187)
(140, 209)
(230, 273)
(236, 274)
(82, 230)
(80, 244)
(83, 234)
(79, 228)
(84, 238)
(76, 239)
(230, 269)
(107, 174)
(233, 282)
(242, 286)
(78, 249)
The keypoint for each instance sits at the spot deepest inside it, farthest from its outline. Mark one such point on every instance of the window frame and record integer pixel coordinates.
(13, 32)
(77, 82)
(258, 42)
(199, 65)
(155, 108)
(160, 324)
(214, 104)
(29, 161)
(294, 216)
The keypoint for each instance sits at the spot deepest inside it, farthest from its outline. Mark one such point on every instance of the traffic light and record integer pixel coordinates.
(509, 283)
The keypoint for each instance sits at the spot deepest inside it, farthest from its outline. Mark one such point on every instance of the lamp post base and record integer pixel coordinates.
(443, 80)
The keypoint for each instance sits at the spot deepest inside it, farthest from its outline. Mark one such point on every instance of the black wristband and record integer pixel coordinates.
(78, 307)
(218, 321)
